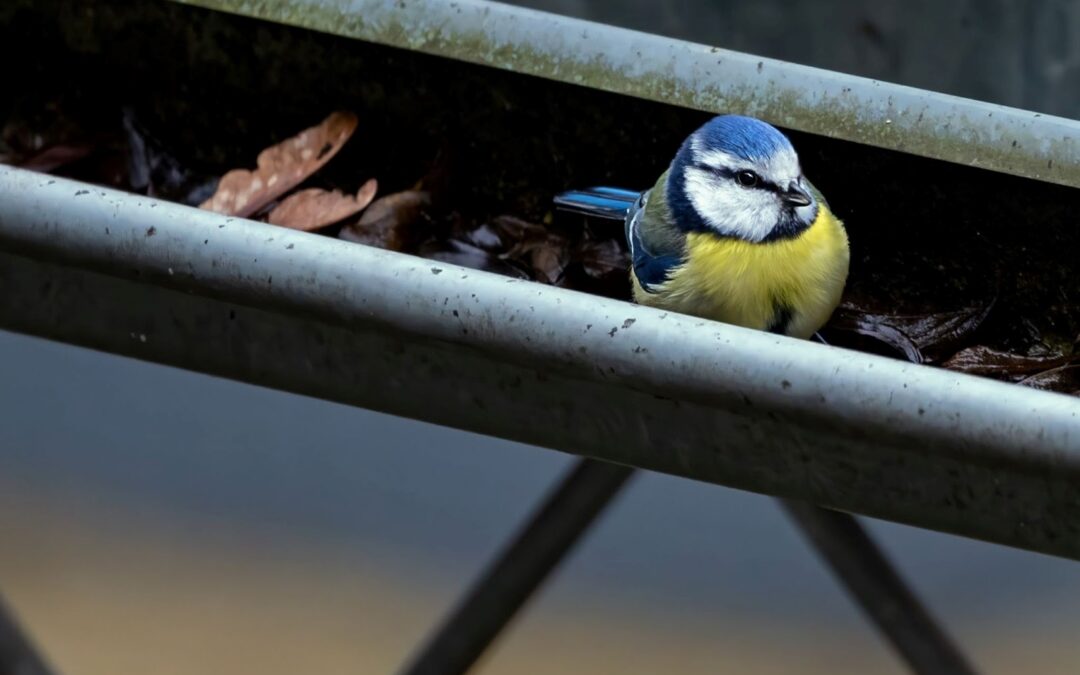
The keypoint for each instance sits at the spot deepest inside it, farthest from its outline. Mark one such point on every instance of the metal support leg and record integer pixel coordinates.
(520, 569)
(17, 655)
(567, 514)
(868, 577)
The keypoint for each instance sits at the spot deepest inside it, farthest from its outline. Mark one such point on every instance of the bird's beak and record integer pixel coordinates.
(796, 196)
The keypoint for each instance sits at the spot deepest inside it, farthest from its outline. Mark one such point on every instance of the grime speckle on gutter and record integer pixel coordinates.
(621, 61)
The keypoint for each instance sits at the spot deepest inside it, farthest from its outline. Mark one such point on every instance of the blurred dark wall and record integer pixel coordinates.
(1023, 54)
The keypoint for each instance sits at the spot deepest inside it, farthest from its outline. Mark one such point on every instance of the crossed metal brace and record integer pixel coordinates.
(575, 504)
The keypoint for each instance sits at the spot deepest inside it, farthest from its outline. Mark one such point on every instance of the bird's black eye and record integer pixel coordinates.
(747, 179)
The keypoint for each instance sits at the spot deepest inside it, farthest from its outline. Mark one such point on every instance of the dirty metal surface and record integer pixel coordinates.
(537, 364)
(699, 77)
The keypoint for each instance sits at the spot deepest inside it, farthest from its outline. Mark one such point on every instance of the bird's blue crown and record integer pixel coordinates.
(744, 137)
(729, 151)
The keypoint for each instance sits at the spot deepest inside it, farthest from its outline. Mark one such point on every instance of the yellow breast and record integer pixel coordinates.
(748, 284)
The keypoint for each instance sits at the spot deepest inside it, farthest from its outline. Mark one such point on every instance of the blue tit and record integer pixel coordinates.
(732, 231)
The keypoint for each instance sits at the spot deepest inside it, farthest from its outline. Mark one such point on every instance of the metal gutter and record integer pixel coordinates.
(527, 362)
(598, 56)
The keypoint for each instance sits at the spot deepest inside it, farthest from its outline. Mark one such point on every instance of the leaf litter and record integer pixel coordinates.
(583, 255)
(314, 208)
(392, 222)
(281, 167)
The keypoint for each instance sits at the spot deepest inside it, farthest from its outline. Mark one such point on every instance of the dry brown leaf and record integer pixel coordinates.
(391, 222)
(281, 167)
(314, 208)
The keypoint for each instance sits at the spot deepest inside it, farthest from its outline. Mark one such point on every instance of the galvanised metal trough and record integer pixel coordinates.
(532, 104)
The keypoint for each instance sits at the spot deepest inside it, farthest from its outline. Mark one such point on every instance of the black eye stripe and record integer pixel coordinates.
(762, 183)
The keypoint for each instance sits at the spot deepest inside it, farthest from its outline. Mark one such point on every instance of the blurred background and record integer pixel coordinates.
(155, 520)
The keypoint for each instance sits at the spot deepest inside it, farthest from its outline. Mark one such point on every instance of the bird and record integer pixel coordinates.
(732, 231)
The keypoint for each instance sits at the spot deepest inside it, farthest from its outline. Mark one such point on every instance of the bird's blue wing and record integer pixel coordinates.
(651, 263)
(600, 202)
(651, 267)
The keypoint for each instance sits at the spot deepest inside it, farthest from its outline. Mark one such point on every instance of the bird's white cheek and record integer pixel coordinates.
(764, 217)
(807, 214)
(730, 209)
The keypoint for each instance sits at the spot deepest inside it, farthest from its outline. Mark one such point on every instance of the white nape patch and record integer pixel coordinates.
(731, 209)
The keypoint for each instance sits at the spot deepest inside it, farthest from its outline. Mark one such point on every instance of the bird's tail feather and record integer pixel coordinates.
(600, 202)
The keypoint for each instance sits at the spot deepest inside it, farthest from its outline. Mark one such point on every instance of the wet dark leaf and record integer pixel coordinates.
(281, 167)
(57, 156)
(438, 178)
(153, 170)
(35, 126)
(603, 259)
(484, 237)
(512, 230)
(920, 338)
(314, 208)
(1063, 379)
(101, 161)
(461, 253)
(392, 222)
(544, 252)
(548, 259)
(983, 360)
(499, 235)
(62, 137)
